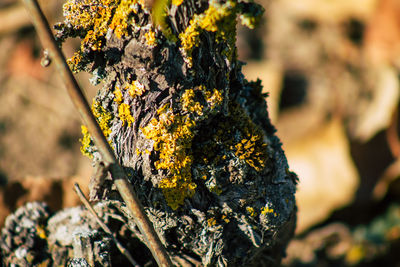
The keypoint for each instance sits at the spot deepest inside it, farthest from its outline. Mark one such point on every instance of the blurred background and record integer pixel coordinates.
(332, 72)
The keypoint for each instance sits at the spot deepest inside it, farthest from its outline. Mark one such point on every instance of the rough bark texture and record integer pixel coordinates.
(192, 133)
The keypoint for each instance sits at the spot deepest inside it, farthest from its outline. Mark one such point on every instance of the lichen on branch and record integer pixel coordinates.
(191, 131)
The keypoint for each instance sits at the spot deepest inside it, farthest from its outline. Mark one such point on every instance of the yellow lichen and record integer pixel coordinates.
(225, 218)
(251, 211)
(188, 103)
(103, 118)
(41, 232)
(211, 222)
(124, 113)
(213, 98)
(355, 254)
(118, 95)
(150, 37)
(266, 210)
(247, 145)
(135, 89)
(172, 135)
(217, 18)
(216, 189)
(252, 150)
(120, 20)
(86, 142)
(177, 2)
(94, 18)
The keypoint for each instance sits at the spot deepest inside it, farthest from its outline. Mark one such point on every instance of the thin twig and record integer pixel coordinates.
(121, 248)
(118, 174)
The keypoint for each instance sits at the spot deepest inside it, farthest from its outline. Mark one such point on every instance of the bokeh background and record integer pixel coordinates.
(332, 72)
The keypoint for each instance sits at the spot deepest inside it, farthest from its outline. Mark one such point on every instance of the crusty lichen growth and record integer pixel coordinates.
(92, 20)
(135, 89)
(151, 39)
(188, 103)
(86, 142)
(104, 119)
(239, 135)
(172, 135)
(193, 134)
(219, 19)
(124, 113)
